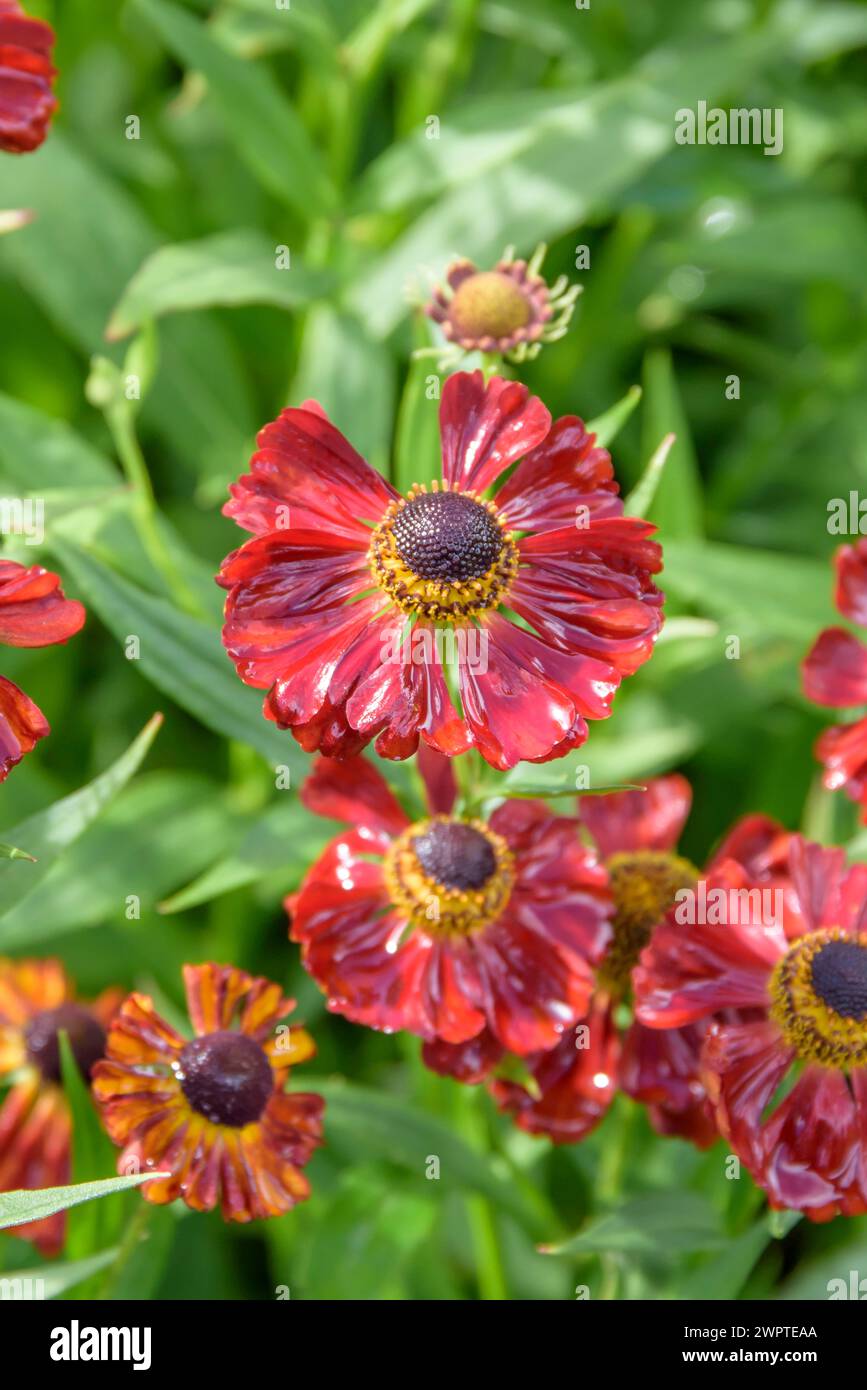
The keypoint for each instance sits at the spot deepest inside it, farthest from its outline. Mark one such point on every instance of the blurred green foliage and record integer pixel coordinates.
(305, 132)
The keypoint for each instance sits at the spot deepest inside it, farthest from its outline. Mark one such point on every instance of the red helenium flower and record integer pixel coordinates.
(443, 926)
(636, 833)
(342, 605)
(787, 1075)
(213, 1112)
(37, 1001)
(835, 673)
(27, 102)
(33, 613)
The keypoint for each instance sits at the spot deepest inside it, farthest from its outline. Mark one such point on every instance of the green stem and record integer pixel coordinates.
(482, 1219)
(135, 1233)
(134, 466)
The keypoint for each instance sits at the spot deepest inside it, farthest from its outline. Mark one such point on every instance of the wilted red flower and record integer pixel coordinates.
(787, 1073)
(213, 1112)
(571, 1086)
(835, 674)
(33, 613)
(37, 1001)
(343, 615)
(444, 926)
(509, 310)
(27, 102)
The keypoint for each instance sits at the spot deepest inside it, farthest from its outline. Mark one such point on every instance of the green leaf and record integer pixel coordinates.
(640, 500)
(162, 829)
(350, 375)
(10, 852)
(676, 493)
(230, 268)
(287, 838)
(607, 426)
(181, 656)
(51, 1280)
(38, 453)
(258, 119)
(17, 1208)
(417, 453)
(92, 1154)
(369, 1122)
(751, 591)
(51, 831)
(662, 1224)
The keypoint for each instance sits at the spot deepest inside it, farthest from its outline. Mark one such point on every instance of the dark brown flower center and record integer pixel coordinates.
(447, 536)
(489, 305)
(227, 1077)
(455, 854)
(86, 1038)
(839, 974)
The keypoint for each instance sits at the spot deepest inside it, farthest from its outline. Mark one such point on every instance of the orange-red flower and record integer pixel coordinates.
(213, 1111)
(36, 1002)
(835, 674)
(33, 613)
(27, 102)
(445, 926)
(572, 1085)
(352, 605)
(785, 1058)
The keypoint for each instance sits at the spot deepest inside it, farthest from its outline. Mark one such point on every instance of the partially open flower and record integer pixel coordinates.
(27, 102)
(37, 1002)
(502, 623)
(510, 310)
(212, 1111)
(33, 613)
(785, 1058)
(445, 926)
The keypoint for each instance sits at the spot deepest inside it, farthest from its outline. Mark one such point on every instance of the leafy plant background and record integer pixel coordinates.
(306, 128)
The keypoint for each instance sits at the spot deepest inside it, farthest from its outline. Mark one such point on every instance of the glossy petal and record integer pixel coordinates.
(33, 610)
(561, 475)
(353, 791)
(26, 74)
(835, 670)
(306, 475)
(484, 429)
(575, 1082)
(22, 725)
(623, 822)
(850, 594)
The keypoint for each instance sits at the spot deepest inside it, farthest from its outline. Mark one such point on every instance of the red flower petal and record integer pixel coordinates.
(34, 1152)
(560, 475)
(534, 988)
(690, 972)
(850, 595)
(353, 791)
(26, 100)
(812, 1146)
(22, 724)
(470, 1062)
(842, 750)
(576, 1084)
(743, 1064)
(33, 610)
(834, 671)
(438, 775)
(623, 822)
(660, 1068)
(306, 474)
(484, 429)
(516, 712)
(404, 699)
